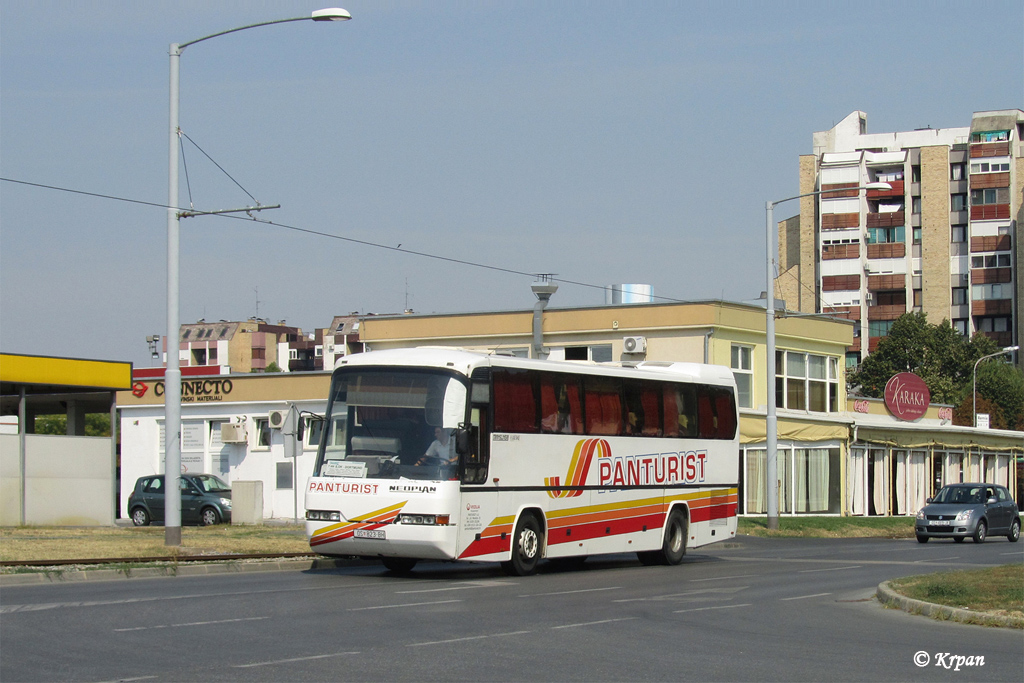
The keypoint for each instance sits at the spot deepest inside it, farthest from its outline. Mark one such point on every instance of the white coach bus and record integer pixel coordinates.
(446, 454)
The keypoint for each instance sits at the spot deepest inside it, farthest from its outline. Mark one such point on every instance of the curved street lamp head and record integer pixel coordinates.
(331, 14)
(875, 186)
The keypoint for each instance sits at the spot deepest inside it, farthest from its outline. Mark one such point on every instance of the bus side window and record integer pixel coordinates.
(515, 407)
(474, 463)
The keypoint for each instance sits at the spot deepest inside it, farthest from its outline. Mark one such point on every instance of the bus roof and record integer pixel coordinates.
(465, 361)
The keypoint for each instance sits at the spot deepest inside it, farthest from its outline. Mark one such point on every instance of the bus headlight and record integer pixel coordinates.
(323, 515)
(424, 520)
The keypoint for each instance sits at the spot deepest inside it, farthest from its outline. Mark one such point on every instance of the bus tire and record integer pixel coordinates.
(399, 565)
(673, 547)
(526, 545)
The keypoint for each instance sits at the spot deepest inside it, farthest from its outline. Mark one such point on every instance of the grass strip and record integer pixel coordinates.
(997, 590)
(829, 527)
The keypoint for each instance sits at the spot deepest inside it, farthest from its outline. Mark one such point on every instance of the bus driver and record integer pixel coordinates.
(441, 450)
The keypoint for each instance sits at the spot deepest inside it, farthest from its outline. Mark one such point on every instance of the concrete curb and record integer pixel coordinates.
(887, 596)
(72, 574)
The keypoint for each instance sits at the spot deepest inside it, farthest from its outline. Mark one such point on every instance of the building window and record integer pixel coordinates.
(743, 371)
(918, 293)
(915, 205)
(314, 428)
(996, 324)
(1001, 260)
(917, 235)
(879, 328)
(959, 296)
(598, 353)
(992, 195)
(960, 325)
(886, 235)
(958, 234)
(262, 434)
(991, 136)
(997, 291)
(988, 167)
(852, 360)
(892, 297)
(806, 381)
(284, 475)
(915, 174)
(957, 202)
(956, 171)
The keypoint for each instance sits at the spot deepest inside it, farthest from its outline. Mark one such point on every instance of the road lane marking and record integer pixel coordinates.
(292, 660)
(459, 587)
(704, 609)
(937, 559)
(408, 604)
(687, 594)
(581, 590)
(804, 597)
(461, 640)
(193, 623)
(594, 623)
(723, 578)
(829, 569)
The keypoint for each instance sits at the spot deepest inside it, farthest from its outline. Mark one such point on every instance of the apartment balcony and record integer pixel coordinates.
(989, 276)
(981, 150)
(887, 220)
(838, 221)
(988, 212)
(984, 181)
(887, 250)
(990, 243)
(886, 312)
(883, 282)
(855, 346)
(896, 191)
(840, 283)
(839, 251)
(1000, 338)
(305, 364)
(992, 307)
(873, 343)
(839, 190)
(845, 312)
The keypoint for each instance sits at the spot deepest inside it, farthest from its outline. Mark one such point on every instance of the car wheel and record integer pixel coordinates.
(140, 517)
(981, 532)
(922, 539)
(526, 545)
(1014, 533)
(209, 517)
(958, 539)
(399, 565)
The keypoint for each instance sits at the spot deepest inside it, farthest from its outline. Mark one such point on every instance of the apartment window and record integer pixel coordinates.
(852, 360)
(988, 167)
(999, 260)
(958, 202)
(992, 195)
(996, 291)
(806, 381)
(958, 234)
(892, 297)
(997, 324)
(886, 235)
(262, 434)
(198, 356)
(915, 205)
(959, 296)
(918, 294)
(284, 475)
(917, 235)
(293, 354)
(960, 325)
(742, 370)
(956, 171)
(213, 355)
(991, 136)
(879, 328)
(915, 174)
(314, 427)
(598, 353)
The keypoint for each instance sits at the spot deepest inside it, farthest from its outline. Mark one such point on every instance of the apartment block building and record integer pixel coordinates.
(946, 239)
(249, 346)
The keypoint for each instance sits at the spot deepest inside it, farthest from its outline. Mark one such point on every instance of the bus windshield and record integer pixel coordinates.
(391, 424)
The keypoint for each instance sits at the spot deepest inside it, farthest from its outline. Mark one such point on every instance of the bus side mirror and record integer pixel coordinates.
(462, 440)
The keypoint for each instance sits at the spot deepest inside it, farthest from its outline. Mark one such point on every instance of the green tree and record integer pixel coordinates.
(1000, 394)
(96, 424)
(938, 354)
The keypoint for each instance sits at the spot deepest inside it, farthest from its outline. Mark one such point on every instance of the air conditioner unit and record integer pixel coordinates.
(276, 418)
(634, 344)
(233, 433)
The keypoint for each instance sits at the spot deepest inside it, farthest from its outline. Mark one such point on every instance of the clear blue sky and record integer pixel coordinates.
(607, 142)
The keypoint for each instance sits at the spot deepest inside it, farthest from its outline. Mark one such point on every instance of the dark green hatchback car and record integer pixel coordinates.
(205, 500)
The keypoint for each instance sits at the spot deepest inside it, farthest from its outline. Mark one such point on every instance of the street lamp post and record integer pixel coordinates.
(771, 419)
(974, 380)
(172, 374)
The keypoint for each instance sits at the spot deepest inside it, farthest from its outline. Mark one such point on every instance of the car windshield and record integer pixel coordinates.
(959, 494)
(211, 484)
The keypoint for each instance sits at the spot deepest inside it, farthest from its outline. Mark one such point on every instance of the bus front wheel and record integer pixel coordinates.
(526, 545)
(673, 547)
(398, 565)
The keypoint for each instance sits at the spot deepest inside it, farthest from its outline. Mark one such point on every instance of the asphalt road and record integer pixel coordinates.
(753, 609)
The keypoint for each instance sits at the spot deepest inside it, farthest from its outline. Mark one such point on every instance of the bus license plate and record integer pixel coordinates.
(376, 534)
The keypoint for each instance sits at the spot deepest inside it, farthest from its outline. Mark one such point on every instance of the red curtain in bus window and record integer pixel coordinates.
(548, 405)
(604, 412)
(575, 419)
(649, 401)
(670, 400)
(726, 415)
(515, 409)
(706, 415)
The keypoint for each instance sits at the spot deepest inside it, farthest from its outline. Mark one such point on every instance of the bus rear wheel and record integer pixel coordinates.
(398, 565)
(673, 547)
(526, 545)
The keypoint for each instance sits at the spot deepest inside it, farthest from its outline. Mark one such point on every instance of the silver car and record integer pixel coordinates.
(976, 510)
